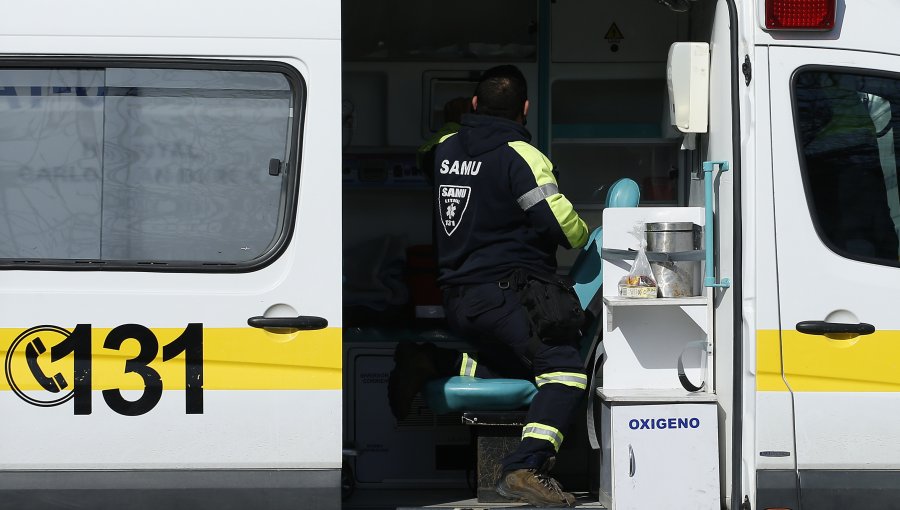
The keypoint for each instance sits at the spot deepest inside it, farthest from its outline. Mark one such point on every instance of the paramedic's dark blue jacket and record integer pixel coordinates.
(498, 204)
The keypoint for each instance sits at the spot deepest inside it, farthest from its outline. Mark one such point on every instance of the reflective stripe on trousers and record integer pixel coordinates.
(573, 379)
(545, 432)
(468, 366)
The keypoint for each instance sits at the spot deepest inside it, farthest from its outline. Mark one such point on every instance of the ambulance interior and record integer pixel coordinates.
(597, 85)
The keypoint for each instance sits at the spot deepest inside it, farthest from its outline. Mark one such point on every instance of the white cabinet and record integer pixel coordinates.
(659, 441)
(645, 338)
(659, 455)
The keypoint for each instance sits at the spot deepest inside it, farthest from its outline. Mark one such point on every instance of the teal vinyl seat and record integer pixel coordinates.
(463, 394)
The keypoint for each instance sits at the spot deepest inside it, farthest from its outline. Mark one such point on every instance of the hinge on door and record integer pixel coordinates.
(746, 504)
(747, 69)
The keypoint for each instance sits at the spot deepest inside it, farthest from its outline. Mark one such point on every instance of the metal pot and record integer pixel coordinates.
(675, 279)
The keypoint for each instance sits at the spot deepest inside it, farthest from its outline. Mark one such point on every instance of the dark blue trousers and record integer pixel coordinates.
(495, 320)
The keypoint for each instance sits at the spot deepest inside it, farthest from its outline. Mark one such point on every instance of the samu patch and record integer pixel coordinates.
(452, 203)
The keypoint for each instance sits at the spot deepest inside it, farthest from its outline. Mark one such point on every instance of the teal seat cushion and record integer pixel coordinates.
(461, 393)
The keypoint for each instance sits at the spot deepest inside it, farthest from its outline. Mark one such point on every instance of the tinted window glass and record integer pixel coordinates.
(142, 165)
(846, 128)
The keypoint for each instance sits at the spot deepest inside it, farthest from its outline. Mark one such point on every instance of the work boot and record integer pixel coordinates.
(534, 486)
(413, 366)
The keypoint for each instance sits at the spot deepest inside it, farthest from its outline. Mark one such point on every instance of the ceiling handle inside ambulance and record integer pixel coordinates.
(286, 324)
(828, 328)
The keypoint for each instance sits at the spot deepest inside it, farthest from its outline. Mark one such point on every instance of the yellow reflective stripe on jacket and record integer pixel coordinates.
(573, 379)
(545, 432)
(446, 131)
(468, 366)
(446, 136)
(574, 228)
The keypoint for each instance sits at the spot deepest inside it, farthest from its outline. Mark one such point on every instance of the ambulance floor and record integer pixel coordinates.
(396, 499)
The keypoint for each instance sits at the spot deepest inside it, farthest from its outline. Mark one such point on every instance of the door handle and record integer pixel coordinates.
(631, 464)
(827, 328)
(303, 322)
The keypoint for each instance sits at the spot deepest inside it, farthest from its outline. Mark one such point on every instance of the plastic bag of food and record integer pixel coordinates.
(639, 282)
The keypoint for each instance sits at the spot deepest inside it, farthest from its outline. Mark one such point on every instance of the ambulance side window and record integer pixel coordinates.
(146, 167)
(846, 132)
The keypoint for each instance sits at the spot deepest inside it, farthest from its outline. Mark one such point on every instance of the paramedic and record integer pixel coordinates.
(454, 109)
(500, 216)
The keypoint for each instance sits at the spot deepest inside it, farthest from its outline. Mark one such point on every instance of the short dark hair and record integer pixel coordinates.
(502, 92)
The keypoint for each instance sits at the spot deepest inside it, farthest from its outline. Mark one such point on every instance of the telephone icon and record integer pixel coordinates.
(54, 383)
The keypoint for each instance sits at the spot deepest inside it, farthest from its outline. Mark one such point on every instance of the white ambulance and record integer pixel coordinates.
(214, 233)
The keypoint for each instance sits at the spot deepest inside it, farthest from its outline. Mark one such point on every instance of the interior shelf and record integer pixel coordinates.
(615, 301)
(676, 395)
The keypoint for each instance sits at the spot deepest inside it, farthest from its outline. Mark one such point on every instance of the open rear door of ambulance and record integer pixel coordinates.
(834, 138)
(170, 309)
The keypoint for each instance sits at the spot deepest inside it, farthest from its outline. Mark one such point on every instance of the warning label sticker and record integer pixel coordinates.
(614, 35)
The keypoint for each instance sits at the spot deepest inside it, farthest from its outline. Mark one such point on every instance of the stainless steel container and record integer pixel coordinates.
(675, 279)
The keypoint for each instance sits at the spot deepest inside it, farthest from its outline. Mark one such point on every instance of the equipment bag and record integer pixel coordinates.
(553, 307)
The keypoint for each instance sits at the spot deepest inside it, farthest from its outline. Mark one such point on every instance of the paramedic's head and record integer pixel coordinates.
(502, 92)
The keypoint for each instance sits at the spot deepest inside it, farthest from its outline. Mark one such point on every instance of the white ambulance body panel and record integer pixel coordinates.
(771, 430)
(842, 385)
(815, 409)
(283, 390)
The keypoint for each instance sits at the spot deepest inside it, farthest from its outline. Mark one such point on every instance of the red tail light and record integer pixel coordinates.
(800, 14)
